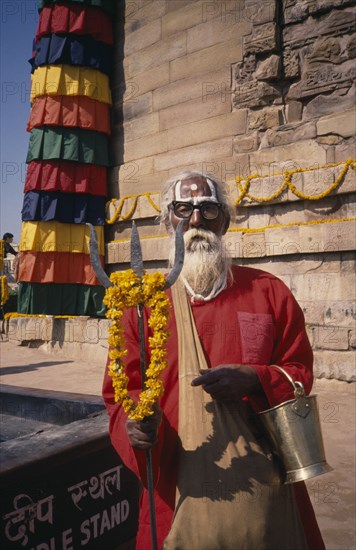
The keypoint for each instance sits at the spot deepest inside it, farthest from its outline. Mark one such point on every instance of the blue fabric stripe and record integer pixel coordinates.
(63, 207)
(72, 50)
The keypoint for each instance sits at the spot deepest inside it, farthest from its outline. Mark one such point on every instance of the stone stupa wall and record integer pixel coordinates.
(262, 97)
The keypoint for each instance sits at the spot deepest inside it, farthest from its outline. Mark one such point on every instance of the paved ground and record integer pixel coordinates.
(332, 494)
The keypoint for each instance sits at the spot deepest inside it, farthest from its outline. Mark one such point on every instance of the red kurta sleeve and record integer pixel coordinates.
(291, 351)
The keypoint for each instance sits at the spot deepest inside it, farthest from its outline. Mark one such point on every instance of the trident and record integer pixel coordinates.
(137, 266)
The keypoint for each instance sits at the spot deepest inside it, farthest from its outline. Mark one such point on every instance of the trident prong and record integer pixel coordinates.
(95, 258)
(136, 256)
(136, 252)
(178, 256)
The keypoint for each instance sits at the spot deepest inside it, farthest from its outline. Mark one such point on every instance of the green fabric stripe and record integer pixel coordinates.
(78, 145)
(61, 299)
(105, 5)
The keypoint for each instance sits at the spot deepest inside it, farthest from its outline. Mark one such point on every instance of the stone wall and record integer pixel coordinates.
(261, 94)
(79, 338)
(253, 86)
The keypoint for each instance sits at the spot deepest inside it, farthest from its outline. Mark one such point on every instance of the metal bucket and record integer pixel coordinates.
(294, 431)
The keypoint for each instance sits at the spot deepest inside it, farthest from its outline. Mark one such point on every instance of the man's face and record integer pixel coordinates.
(196, 190)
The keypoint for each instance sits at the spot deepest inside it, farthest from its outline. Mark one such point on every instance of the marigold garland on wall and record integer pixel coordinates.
(15, 315)
(244, 190)
(129, 290)
(243, 185)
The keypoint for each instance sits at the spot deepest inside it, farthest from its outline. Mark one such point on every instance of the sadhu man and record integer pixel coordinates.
(217, 486)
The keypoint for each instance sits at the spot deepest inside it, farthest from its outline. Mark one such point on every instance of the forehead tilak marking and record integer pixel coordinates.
(193, 187)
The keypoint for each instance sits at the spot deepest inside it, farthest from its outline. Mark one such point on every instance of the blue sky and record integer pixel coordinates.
(19, 20)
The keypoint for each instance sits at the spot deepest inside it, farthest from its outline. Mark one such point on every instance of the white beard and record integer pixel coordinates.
(205, 263)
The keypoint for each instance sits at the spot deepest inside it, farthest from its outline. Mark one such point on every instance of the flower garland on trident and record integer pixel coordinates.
(130, 290)
(4, 290)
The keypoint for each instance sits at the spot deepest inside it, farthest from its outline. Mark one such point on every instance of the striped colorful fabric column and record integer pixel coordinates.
(66, 180)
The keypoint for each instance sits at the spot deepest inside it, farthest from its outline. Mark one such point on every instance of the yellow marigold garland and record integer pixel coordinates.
(244, 190)
(4, 290)
(129, 290)
(243, 185)
(15, 315)
(131, 211)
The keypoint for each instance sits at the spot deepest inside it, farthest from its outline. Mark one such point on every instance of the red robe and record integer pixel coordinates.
(256, 321)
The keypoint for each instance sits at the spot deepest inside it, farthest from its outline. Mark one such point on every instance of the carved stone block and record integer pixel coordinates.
(243, 72)
(322, 5)
(263, 39)
(323, 78)
(291, 63)
(265, 118)
(336, 23)
(298, 10)
(254, 94)
(269, 69)
(325, 49)
(295, 11)
(325, 105)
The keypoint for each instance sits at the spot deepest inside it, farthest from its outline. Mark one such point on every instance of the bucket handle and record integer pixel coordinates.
(297, 386)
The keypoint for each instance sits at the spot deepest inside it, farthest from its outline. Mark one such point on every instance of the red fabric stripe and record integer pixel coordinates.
(66, 176)
(75, 19)
(56, 267)
(77, 111)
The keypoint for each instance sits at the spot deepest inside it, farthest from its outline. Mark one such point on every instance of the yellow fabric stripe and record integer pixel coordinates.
(59, 237)
(70, 80)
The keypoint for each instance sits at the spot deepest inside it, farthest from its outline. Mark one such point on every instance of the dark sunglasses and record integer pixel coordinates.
(208, 210)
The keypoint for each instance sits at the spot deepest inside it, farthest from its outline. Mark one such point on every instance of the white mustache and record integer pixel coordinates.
(200, 239)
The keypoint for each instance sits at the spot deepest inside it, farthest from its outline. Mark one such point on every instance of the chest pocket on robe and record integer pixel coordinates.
(257, 334)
